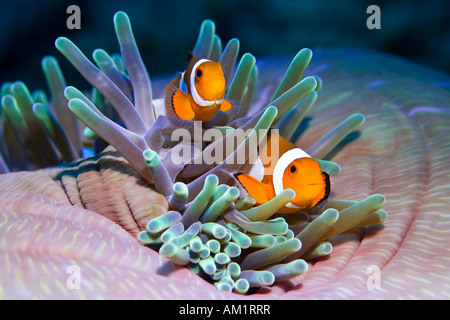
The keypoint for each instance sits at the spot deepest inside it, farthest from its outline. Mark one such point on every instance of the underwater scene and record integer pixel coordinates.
(224, 150)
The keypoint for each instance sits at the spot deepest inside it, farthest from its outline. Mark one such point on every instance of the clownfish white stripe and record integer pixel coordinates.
(197, 98)
(257, 170)
(283, 162)
(181, 84)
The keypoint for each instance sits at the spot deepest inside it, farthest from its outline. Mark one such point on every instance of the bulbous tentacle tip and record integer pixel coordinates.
(151, 158)
(377, 200)
(220, 205)
(180, 190)
(266, 210)
(289, 270)
(161, 178)
(62, 42)
(307, 52)
(319, 83)
(357, 118)
(178, 200)
(176, 254)
(310, 82)
(271, 111)
(257, 278)
(211, 180)
(329, 167)
(205, 40)
(120, 16)
(122, 25)
(76, 105)
(99, 55)
(164, 221)
(45, 61)
(330, 216)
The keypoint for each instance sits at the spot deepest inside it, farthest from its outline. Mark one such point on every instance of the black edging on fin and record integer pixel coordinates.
(326, 178)
(235, 175)
(189, 56)
(169, 92)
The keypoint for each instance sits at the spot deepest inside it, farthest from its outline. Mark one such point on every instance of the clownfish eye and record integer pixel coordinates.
(198, 73)
(293, 171)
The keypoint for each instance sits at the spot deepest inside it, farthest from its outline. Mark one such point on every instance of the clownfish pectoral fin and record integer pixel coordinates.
(225, 106)
(255, 188)
(181, 104)
(177, 103)
(169, 90)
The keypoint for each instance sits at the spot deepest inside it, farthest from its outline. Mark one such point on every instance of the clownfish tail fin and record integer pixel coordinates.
(255, 188)
(177, 104)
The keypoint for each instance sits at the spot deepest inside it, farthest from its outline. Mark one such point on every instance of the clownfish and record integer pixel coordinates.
(294, 169)
(205, 84)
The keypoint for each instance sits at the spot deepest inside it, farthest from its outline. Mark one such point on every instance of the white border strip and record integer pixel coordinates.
(283, 162)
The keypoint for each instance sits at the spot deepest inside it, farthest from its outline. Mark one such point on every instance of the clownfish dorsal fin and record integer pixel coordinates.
(177, 104)
(190, 55)
(255, 188)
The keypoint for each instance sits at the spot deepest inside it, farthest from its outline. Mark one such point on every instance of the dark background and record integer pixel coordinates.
(166, 30)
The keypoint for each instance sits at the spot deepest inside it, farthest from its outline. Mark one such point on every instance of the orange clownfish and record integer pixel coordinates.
(205, 84)
(294, 169)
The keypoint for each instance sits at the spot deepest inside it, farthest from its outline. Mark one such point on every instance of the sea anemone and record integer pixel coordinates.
(211, 225)
(206, 222)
